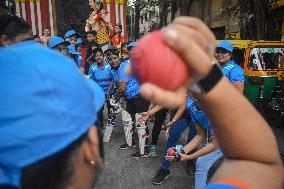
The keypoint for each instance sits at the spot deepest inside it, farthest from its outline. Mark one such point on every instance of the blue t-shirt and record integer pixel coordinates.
(79, 61)
(101, 75)
(233, 72)
(132, 86)
(199, 117)
(189, 104)
(114, 73)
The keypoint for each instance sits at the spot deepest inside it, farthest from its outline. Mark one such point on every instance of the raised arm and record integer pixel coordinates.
(248, 144)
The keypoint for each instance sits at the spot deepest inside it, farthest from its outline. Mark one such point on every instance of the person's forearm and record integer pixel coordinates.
(155, 109)
(179, 111)
(121, 89)
(239, 138)
(205, 150)
(193, 144)
(110, 86)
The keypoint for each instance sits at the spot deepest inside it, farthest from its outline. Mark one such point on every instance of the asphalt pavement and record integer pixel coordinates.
(120, 171)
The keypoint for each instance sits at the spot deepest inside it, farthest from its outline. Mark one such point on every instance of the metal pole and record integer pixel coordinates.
(130, 37)
(134, 23)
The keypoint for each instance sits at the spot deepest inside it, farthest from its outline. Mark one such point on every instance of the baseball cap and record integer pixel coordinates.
(46, 104)
(69, 34)
(225, 45)
(132, 44)
(79, 41)
(55, 40)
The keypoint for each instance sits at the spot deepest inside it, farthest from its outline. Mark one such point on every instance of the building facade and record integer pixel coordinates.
(223, 16)
(149, 20)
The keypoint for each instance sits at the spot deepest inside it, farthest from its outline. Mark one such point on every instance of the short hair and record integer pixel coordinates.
(45, 27)
(114, 52)
(119, 25)
(78, 45)
(123, 44)
(98, 49)
(13, 26)
(94, 33)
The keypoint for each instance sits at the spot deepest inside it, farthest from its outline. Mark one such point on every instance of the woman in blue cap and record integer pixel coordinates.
(45, 141)
(129, 88)
(235, 74)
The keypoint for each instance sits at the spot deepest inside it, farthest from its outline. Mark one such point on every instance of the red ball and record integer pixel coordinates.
(155, 62)
(171, 152)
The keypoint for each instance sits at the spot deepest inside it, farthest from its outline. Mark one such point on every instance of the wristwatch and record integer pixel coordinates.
(208, 82)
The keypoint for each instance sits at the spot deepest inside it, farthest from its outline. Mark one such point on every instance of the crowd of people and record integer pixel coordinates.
(52, 110)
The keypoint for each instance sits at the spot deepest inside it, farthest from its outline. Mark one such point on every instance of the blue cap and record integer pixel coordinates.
(55, 40)
(79, 41)
(69, 34)
(46, 104)
(72, 50)
(132, 44)
(225, 45)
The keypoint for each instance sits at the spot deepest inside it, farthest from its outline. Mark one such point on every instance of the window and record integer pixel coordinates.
(265, 58)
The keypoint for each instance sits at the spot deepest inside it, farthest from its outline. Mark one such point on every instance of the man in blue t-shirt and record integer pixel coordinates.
(235, 74)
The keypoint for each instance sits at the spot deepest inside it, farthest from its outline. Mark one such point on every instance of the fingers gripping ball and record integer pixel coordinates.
(155, 62)
(171, 152)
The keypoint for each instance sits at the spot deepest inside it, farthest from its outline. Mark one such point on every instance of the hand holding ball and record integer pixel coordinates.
(155, 62)
(171, 152)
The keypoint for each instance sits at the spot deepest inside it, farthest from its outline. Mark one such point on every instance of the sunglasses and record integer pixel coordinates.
(62, 49)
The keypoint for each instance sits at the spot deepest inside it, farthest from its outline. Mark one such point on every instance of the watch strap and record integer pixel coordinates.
(208, 82)
(211, 79)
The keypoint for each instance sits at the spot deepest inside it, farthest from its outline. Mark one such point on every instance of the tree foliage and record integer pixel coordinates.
(184, 6)
(165, 7)
(257, 20)
(71, 14)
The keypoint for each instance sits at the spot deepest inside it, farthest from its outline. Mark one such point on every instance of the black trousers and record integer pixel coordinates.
(136, 105)
(160, 117)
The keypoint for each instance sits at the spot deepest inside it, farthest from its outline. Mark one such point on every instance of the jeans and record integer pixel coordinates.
(203, 165)
(174, 135)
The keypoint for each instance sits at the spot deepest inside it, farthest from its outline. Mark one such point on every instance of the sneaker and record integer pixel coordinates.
(137, 155)
(153, 151)
(161, 176)
(125, 146)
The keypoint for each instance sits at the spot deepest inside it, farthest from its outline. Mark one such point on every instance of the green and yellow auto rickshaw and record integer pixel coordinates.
(263, 64)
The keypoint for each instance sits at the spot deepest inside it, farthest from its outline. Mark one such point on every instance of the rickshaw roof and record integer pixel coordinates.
(247, 43)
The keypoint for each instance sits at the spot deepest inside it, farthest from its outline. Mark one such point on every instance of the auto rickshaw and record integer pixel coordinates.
(263, 64)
